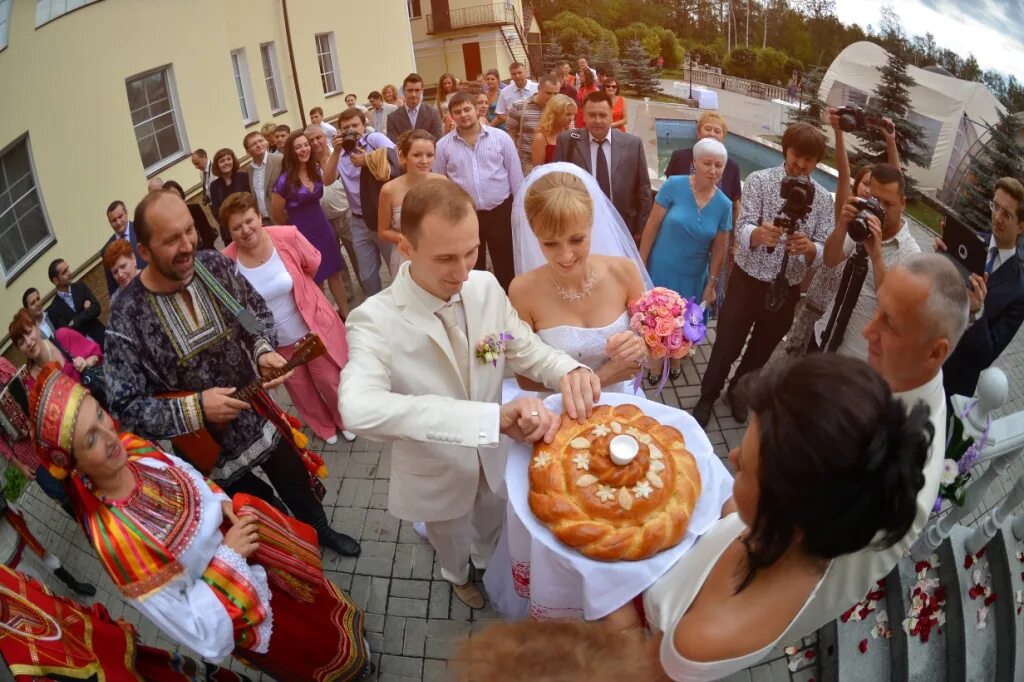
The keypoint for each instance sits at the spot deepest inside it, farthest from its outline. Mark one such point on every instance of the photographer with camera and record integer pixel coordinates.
(785, 218)
(825, 282)
(871, 237)
(347, 160)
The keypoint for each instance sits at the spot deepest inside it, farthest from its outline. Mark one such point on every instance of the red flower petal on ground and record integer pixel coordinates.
(924, 635)
(974, 592)
(863, 646)
(968, 561)
(940, 593)
(921, 566)
(876, 595)
(990, 598)
(809, 654)
(980, 553)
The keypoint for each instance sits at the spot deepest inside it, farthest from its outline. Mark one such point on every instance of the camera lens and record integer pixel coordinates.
(857, 229)
(848, 123)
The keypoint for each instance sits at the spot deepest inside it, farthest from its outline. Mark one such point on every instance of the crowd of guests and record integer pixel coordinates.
(539, 183)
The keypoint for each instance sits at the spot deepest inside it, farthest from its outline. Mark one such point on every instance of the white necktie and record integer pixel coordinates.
(456, 337)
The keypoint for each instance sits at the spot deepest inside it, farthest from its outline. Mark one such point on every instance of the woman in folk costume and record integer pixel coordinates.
(217, 575)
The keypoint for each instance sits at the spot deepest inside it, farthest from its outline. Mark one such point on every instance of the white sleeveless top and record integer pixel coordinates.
(586, 345)
(668, 599)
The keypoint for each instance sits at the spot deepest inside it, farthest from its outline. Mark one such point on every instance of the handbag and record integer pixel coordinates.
(93, 378)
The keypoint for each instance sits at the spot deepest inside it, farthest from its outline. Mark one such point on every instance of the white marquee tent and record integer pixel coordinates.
(951, 111)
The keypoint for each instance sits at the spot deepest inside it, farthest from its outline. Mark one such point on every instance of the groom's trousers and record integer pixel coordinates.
(471, 536)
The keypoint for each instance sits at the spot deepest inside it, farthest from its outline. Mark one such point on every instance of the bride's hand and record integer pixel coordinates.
(624, 348)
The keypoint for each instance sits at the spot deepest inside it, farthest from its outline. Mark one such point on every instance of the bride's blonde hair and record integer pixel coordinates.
(555, 203)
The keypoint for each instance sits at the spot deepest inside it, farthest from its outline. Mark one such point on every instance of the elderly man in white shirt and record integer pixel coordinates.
(921, 314)
(520, 88)
(888, 243)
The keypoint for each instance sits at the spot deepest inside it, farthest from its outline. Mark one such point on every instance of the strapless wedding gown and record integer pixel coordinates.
(397, 258)
(586, 345)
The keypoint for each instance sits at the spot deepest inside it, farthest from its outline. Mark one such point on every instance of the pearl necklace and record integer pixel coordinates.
(588, 287)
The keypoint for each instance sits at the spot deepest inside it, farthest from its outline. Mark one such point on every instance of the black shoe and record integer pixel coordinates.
(674, 374)
(84, 589)
(702, 412)
(339, 542)
(737, 405)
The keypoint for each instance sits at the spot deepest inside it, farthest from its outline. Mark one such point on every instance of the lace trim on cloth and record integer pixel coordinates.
(541, 612)
(521, 578)
(244, 592)
(248, 458)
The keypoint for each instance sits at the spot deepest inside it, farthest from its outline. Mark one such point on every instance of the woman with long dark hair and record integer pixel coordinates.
(227, 180)
(296, 201)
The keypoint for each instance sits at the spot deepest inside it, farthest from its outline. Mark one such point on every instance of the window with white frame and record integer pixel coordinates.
(414, 9)
(156, 117)
(272, 77)
(5, 18)
(327, 56)
(24, 228)
(48, 10)
(243, 86)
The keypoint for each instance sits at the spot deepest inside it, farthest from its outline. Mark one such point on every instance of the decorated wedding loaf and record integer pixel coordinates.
(620, 486)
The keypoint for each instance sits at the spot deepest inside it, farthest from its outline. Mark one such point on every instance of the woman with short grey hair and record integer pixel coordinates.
(687, 234)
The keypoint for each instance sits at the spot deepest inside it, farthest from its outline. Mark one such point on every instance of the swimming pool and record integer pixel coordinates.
(750, 155)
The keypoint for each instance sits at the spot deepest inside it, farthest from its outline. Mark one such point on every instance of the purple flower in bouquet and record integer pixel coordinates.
(969, 458)
(693, 322)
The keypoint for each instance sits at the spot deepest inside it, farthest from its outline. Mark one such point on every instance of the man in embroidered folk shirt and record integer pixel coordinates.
(758, 262)
(171, 332)
(482, 160)
(889, 244)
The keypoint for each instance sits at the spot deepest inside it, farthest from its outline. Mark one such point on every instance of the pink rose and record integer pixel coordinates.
(650, 338)
(658, 351)
(674, 341)
(677, 310)
(651, 320)
(665, 326)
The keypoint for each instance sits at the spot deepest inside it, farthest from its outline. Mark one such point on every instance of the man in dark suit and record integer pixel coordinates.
(997, 299)
(74, 305)
(614, 158)
(415, 114)
(117, 216)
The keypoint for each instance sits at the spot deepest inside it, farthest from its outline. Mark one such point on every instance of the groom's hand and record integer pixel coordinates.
(527, 419)
(581, 388)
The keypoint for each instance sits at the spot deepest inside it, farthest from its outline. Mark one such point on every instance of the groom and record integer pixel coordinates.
(414, 376)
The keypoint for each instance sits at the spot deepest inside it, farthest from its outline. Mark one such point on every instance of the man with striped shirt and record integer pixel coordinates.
(483, 161)
(524, 117)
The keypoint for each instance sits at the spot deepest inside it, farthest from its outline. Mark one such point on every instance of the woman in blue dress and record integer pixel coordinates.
(296, 201)
(687, 234)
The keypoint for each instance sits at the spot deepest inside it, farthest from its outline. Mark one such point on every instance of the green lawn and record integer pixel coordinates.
(924, 214)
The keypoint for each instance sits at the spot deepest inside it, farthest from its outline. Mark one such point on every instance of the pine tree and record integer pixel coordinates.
(606, 57)
(891, 97)
(812, 107)
(553, 56)
(583, 49)
(1000, 156)
(637, 73)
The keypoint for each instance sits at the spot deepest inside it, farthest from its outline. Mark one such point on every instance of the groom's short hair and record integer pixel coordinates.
(440, 197)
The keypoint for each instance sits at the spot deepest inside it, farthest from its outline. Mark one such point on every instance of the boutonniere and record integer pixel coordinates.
(491, 346)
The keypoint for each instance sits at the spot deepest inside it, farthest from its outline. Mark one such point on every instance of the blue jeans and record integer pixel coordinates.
(369, 249)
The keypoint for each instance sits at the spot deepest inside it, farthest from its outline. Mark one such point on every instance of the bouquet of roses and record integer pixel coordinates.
(670, 325)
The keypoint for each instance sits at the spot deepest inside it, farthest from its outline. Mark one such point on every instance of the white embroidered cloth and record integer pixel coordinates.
(533, 574)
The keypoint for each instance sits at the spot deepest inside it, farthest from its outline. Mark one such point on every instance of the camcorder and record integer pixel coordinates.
(350, 140)
(798, 196)
(852, 119)
(858, 227)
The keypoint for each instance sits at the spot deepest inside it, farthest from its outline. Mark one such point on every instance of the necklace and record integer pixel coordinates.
(588, 287)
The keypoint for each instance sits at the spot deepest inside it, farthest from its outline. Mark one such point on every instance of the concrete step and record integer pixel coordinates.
(972, 646)
(919, 660)
(855, 646)
(1004, 552)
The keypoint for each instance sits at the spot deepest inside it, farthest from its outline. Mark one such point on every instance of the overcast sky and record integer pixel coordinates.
(993, 30)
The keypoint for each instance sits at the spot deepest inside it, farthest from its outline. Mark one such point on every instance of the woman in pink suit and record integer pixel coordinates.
(280, 263)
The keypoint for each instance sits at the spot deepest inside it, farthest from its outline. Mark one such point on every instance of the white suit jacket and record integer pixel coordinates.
(851, 576)
(402, 384)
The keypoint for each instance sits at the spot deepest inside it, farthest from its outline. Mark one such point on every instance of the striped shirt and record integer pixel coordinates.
(760, 203)
(523, 119)
(489, 171)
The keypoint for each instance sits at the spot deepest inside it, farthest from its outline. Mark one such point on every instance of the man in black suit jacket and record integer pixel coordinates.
(997, 302)
(426, 117)
(117, 216)
(628, 183)
(82, 313)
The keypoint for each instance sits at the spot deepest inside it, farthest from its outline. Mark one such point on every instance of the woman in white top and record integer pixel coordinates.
(811, 485)
(280, 263)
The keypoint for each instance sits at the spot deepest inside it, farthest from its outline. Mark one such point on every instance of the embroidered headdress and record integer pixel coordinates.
(54, 403)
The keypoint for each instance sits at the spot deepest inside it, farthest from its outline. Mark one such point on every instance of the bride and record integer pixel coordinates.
(577, 269)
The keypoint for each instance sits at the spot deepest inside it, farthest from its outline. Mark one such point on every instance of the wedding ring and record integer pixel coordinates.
(535, 413)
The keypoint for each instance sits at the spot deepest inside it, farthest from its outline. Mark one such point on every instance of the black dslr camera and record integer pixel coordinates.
(858, 227)
(349, 141)
(852, 119)
(798, 194)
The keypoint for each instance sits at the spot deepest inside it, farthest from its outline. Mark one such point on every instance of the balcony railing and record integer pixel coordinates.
(495, 14)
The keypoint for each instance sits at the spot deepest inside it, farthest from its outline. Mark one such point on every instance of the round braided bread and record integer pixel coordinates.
(611, 512)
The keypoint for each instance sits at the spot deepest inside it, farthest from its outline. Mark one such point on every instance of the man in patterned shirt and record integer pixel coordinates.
(172, 330)
(758, 262)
